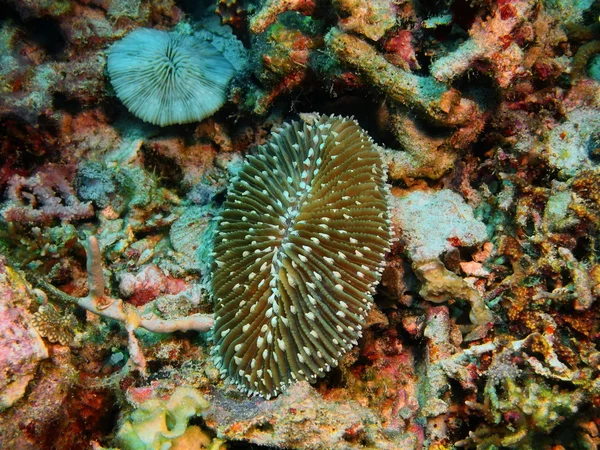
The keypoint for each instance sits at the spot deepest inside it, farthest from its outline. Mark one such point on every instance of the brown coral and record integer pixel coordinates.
(53, 325)
(299, 250)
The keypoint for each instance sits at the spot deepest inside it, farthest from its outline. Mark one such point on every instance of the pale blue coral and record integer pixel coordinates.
(168, 78)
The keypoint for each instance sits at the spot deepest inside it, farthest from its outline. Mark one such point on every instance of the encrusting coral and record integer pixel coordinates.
(168, 78)
(299, 249)
(52, 325)
(21, 349)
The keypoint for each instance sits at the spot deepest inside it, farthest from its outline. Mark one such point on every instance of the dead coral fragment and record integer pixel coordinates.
(299, 251)
(426, 95)
(271, 10)
(43, 198)
(101, 304)
(488, 40)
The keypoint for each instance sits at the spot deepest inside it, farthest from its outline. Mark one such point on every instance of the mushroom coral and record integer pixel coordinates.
(168, 78)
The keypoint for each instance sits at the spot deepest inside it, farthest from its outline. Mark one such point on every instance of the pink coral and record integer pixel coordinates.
(21, 348)
(44, 197)
(148, 284)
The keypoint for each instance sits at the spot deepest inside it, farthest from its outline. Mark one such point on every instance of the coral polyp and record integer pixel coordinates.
(300, 247)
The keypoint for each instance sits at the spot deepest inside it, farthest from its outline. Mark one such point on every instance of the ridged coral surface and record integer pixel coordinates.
(300, 247)
(168, 78)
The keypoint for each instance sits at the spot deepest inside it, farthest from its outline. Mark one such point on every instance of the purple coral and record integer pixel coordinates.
(44, 197)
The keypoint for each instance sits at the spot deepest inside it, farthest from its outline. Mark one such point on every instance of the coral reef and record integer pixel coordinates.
(298, 420)
(122, 243)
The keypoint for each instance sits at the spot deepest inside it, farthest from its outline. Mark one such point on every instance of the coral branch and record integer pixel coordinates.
(487, 38)
(273, 8)
(582, 283)
(425, 155)
(94, 268)
(425, 94)
(44, 198)
(99, 303)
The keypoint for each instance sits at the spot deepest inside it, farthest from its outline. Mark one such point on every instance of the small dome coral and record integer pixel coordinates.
(167, 78)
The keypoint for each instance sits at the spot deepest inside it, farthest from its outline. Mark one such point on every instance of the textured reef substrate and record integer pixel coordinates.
(181, 268)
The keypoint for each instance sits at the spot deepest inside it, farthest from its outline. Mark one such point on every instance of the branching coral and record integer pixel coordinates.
(43, 198)
(519, 405)
(430, 103)
(493, 151)
(232, 13)
(489, 39)
(273, 8)
(101, 304)
(283, 55)
(431, 98)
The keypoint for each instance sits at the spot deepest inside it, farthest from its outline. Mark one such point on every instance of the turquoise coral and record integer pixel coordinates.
(168, 78)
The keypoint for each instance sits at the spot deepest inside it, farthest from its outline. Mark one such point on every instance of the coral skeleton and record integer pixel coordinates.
(43, 198)
(433, 99)
(101, 304)
(168, 78)
(487, 39)
(299, 250)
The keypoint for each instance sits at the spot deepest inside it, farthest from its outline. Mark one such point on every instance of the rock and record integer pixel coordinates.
(21, 347)
(435, 222)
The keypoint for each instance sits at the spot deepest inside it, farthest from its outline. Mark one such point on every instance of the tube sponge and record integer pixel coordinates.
(166, 77)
